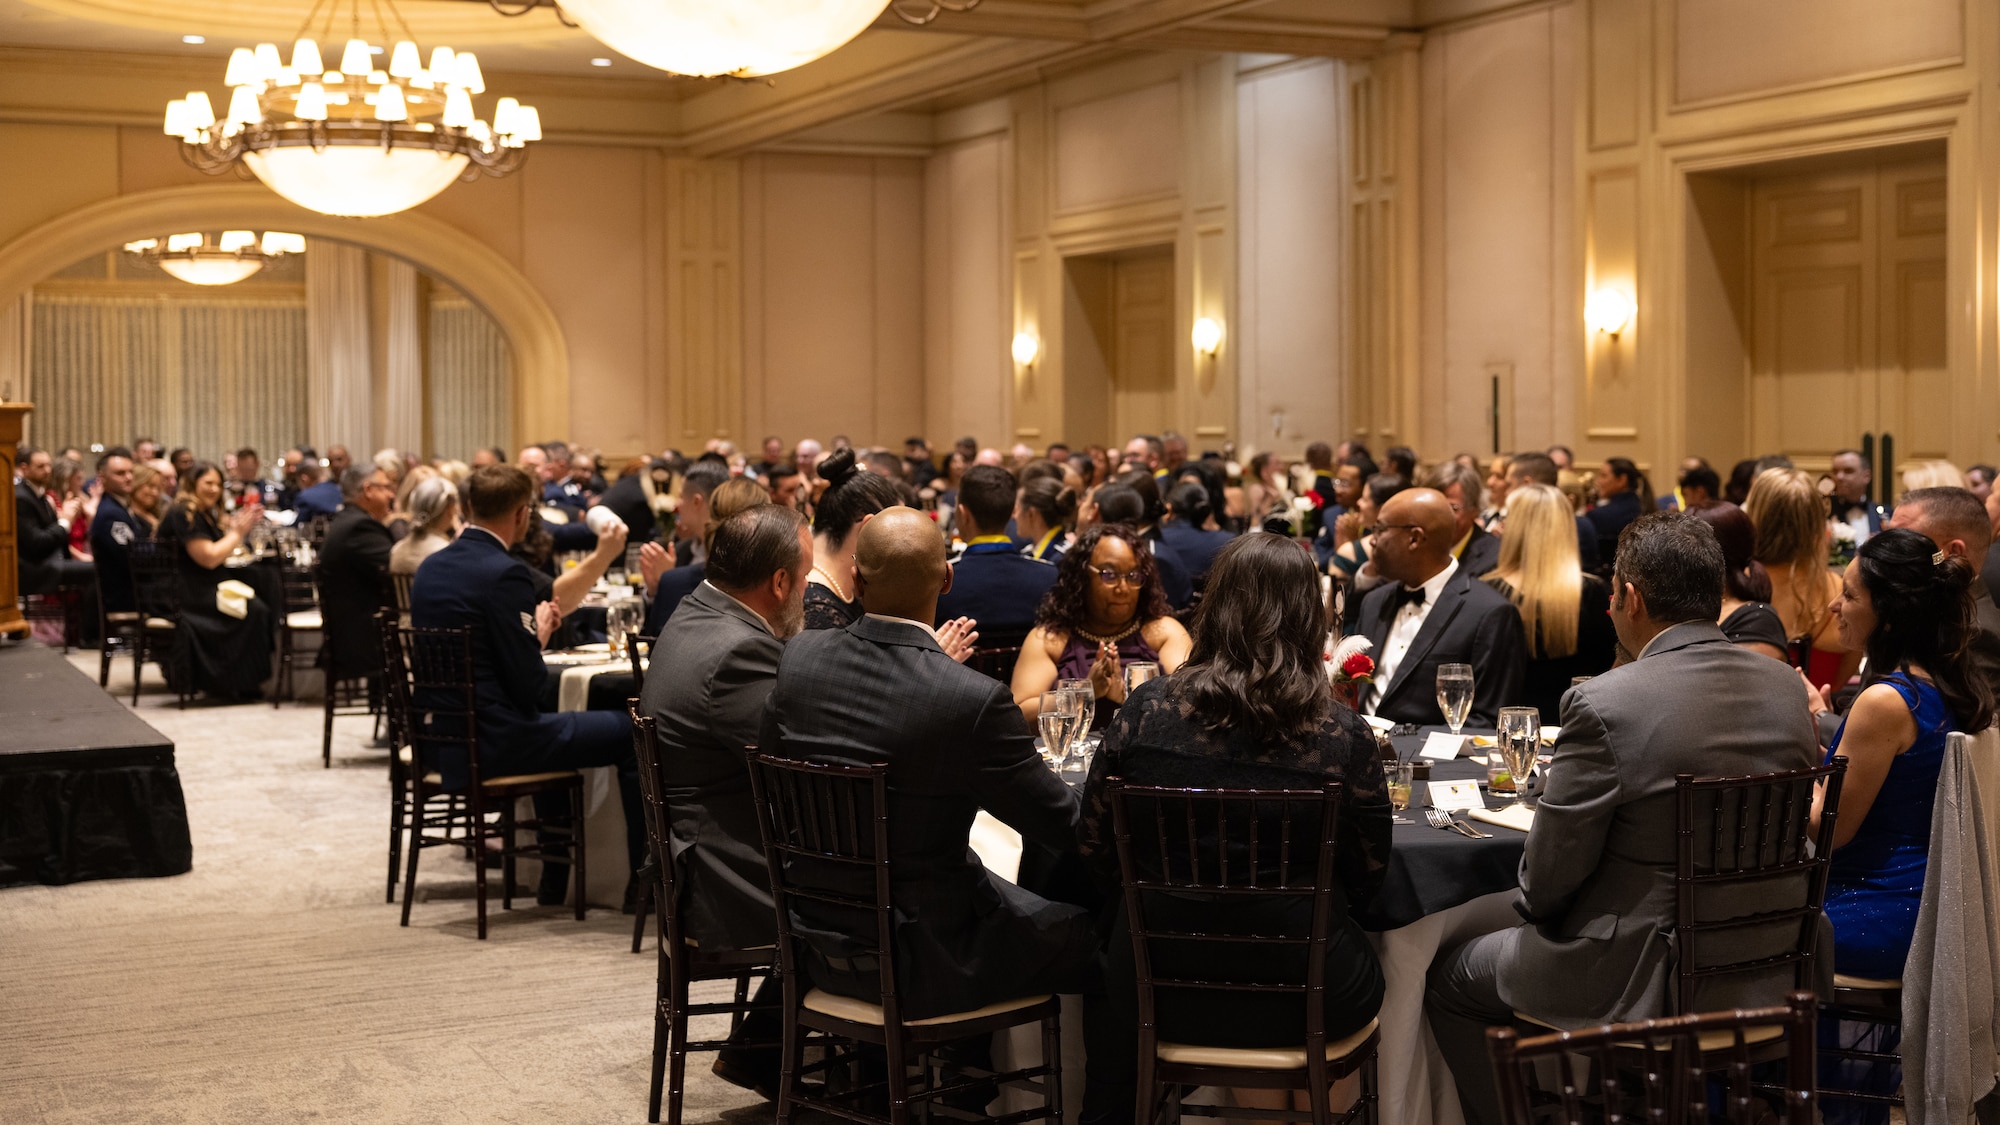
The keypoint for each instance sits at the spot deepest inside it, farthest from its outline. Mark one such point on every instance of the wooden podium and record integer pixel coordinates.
(11, 621)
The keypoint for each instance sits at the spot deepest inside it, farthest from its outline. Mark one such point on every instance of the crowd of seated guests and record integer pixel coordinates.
(831, 588)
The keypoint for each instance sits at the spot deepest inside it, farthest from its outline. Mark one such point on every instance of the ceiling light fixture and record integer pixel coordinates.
(194, 40)
(353, 139)
(233, 256)
(744, 38)
(600, 62)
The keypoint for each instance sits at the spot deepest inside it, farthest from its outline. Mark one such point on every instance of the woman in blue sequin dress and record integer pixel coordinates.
(1908, 604)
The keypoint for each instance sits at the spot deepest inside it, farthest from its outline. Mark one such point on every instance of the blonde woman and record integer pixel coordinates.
(1565, 613)
(400, 523)
(1792, 543)
(1933, 474)
(433, 508)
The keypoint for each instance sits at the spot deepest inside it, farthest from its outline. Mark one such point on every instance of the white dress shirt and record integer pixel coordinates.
(1409, 621)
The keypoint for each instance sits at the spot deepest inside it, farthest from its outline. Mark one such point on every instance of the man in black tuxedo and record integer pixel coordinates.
(43, 529)
(1476, 551)
(1431, 612)
(353, 571)
(881, 690)
(993, 583)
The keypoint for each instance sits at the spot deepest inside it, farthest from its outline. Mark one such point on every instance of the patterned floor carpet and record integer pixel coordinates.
(271, 983)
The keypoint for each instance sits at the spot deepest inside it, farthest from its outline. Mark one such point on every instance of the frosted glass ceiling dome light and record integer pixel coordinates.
(196, 259)
(1609, 311)
(743, 38)
(357, 141)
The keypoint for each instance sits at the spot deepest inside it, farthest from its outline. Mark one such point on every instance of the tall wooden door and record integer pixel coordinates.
(1143, 397)
(1848, 315)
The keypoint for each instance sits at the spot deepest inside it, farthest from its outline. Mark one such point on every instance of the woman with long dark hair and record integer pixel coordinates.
(1107, 609)
(1909, 606)
(1251, 709)
(1747, 617)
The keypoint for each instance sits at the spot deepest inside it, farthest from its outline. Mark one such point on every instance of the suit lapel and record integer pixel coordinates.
(1449, 601)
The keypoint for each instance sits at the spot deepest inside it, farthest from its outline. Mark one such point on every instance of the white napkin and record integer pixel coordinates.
(233, 598)
(998, 846)
(1519, 817)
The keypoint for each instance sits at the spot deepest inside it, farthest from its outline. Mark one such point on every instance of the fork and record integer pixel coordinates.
(1442, 819)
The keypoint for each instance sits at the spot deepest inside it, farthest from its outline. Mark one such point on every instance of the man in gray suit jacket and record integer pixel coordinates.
(713, 669)
(1597, 881)
(882, 690)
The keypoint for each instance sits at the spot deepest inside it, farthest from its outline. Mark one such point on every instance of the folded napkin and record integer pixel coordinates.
(233, 598)
(1516, 816)
(998, 846)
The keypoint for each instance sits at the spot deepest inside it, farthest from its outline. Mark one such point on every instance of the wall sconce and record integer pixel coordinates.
(1027, 347)
(1609, 311)
(1207, 337)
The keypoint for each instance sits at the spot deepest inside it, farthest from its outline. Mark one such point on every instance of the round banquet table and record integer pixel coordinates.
(1441, 889)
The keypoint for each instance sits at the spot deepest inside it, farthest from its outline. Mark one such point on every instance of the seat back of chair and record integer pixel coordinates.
(997, 662)
(1673, 1087)
(659, 822)
(300, 588)
(156, 579)
(1252, 853)
(826, 842)
(402, 584)
(443, 708)
(1749, 881)
(636, 646)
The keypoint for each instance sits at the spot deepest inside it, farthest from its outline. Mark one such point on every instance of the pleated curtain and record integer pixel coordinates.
(212, 373)
(339, 372)
(470, 389)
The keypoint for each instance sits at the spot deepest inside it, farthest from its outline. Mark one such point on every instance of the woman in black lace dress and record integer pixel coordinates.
(852, 495)
(1252, 708)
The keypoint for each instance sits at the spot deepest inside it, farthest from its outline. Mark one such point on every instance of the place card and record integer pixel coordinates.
(1441, 746)
(1456, 796)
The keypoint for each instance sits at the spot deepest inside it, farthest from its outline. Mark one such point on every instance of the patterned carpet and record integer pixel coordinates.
(272, 982)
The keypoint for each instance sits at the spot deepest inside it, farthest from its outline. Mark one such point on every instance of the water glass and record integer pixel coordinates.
(1520, 742)
(1401, 777)
(1454, 690)
(1055, 729)
(1086, 703)
(1138, 673)
(632, 569)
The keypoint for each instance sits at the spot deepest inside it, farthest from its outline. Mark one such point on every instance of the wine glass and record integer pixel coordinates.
(1454, 688)
(1086, 705)
(1520, 741)
(1138, 672)
(1401, 776)
(1057, 721)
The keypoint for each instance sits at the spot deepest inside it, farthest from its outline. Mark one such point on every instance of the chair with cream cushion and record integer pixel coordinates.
(1206, 842)
(826, 832)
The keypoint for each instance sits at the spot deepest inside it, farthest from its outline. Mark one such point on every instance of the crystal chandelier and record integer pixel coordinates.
(359, 140)
(229, 259)
(741, 38)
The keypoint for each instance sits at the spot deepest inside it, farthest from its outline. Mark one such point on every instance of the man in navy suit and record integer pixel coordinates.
(993, 583)
(113, 530)
(476, 584)
(1186, 529)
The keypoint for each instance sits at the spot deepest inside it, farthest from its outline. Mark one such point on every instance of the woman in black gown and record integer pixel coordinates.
(229, 657)
(1252, 708)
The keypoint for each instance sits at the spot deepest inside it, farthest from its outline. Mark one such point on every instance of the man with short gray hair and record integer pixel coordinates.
(1597, 881)
(353, 570)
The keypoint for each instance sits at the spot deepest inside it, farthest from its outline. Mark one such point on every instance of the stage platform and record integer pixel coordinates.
(88, 790)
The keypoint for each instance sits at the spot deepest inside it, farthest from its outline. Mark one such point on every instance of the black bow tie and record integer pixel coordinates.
(1406, 596)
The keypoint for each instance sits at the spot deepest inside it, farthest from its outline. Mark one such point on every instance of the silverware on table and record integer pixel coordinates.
(1442, 819)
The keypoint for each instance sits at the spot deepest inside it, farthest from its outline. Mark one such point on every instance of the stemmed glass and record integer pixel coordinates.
(1086, 705)
(1520, 742)
(1454, 688)
(1060, 717)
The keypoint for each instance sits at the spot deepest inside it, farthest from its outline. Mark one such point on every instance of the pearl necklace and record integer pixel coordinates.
(830, 583)
(1114, 638)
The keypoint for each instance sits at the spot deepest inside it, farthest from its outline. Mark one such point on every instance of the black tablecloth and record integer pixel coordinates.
(608, 691)
(88, 790)
(1433, 869)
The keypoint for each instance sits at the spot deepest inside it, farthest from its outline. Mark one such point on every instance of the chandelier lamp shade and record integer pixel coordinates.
(357, 138)
(230, 258)
(740, 38)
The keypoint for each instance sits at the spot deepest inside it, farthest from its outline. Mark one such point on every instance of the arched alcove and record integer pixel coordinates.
(541, 382)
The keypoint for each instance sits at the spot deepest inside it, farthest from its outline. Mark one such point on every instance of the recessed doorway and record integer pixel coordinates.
(1118, 344)
(1818, 307)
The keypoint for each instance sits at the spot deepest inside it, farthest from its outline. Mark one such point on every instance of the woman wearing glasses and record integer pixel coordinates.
(1106, 610)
